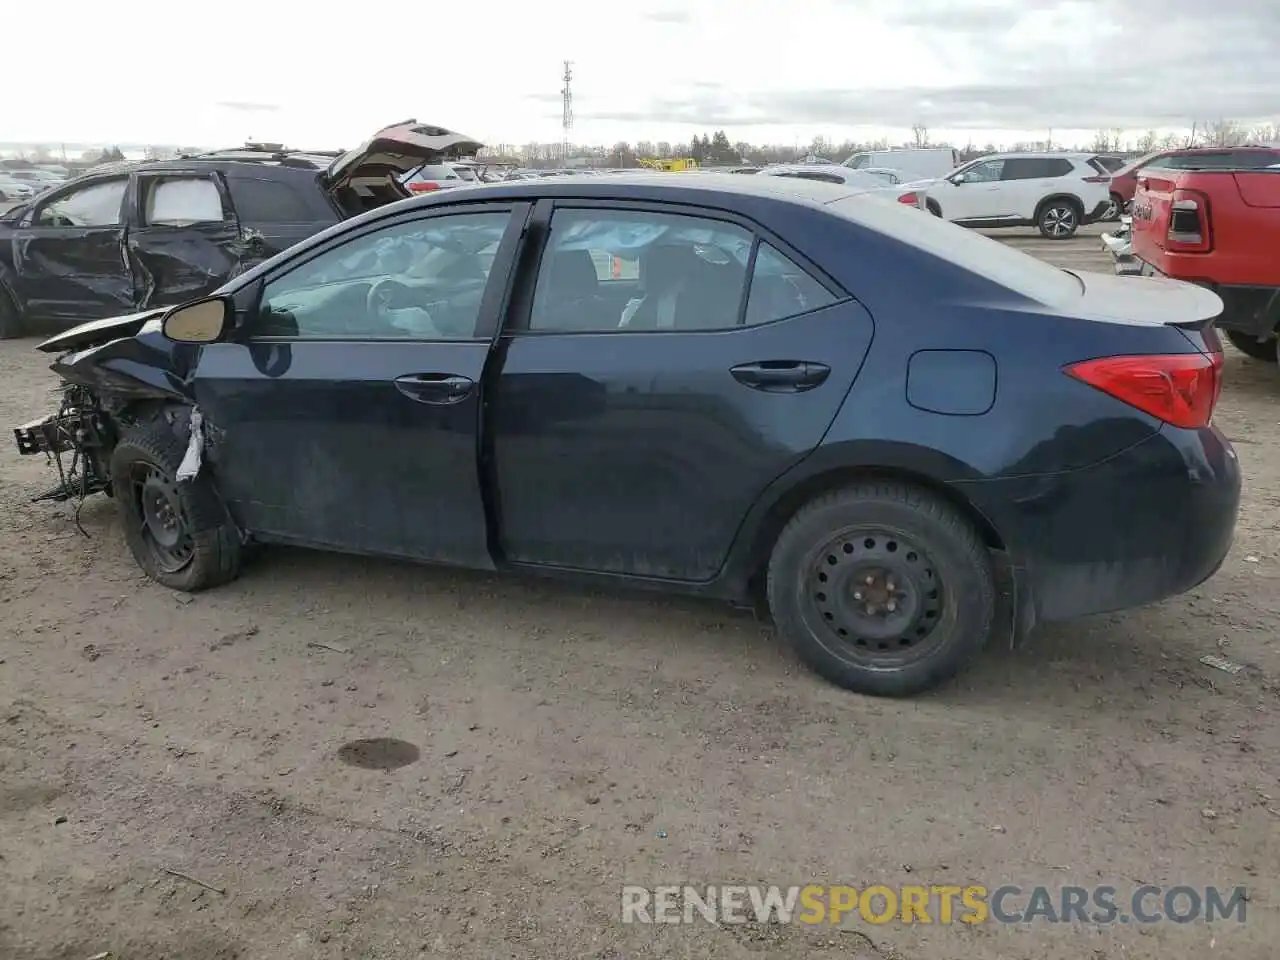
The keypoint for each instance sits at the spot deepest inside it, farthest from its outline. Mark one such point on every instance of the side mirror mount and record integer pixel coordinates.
(201, 321)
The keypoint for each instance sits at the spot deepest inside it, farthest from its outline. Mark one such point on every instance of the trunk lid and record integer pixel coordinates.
(1146, 301)
(396, 151)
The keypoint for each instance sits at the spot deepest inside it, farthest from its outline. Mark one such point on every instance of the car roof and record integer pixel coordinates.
(660, 186)
(205, 162)
(1037, 155)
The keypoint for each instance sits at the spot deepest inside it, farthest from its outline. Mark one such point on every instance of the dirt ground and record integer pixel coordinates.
(560, 743)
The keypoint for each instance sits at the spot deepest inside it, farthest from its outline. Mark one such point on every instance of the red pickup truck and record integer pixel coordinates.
(1219, 229)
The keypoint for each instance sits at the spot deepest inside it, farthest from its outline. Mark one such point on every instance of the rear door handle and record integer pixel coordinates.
(781, 376)
(439, 388)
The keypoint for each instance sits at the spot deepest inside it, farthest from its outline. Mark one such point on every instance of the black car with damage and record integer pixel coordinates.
(130, 236)
(902, 437)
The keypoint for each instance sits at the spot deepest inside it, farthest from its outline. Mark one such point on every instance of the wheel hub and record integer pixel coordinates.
(877, 592)
(164, 523)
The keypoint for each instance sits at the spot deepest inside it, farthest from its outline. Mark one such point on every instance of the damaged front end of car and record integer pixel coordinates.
(115, 373)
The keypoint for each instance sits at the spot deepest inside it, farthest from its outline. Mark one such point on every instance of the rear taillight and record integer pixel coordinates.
(910, 199)
(1100, 178)
(1189, 222)
(1181, 389)
(424, 186)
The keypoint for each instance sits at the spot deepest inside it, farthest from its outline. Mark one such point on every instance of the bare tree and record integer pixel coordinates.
(920, 135)
(1266, 133)
(1147, 142)
(1101, 142)
(1226, 133)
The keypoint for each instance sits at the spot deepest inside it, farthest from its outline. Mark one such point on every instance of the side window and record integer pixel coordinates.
(421, 280)
(1058, 167)
(93, 206)
(780, 288)
(691, 272)
(268, 201)
(1019, 169)
(987, 172)
(181, 201)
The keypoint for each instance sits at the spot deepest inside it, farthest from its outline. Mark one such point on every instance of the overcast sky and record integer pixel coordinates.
(313, 76)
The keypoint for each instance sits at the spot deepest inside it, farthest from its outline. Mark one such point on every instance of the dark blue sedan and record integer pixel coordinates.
(905, 438)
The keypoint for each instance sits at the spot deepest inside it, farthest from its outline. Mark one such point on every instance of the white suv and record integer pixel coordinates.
(1056, 192)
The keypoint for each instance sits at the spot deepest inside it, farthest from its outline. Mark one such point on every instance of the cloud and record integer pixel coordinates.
(677, 17)
(1029, 65)
(241, 106)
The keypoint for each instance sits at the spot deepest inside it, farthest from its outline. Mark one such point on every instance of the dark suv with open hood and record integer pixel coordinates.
(139, 235)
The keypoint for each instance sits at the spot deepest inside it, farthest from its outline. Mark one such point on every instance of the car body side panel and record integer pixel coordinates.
(640, 454)
(1135, 528)
(68, 273)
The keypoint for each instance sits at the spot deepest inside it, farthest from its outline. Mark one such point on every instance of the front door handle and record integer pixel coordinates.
(437, 388)
(781, 376)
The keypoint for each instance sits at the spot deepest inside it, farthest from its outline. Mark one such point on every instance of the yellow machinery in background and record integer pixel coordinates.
(675, 165)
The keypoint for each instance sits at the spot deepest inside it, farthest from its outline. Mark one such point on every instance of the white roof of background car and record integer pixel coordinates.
(1036, 155)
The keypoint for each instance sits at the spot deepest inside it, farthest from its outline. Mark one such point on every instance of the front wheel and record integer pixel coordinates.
(1251, 346)
(1058, 220)
(178, 531)
(882, 588)
(10, 318)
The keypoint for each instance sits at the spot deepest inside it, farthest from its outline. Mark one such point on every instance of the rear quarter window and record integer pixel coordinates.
(996, 262)
(269, 201)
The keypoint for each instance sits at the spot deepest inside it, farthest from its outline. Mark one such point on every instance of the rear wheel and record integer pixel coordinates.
(1058, 219)
(1116, 208)
(178, 531)
(882, 588)
(1251, 346)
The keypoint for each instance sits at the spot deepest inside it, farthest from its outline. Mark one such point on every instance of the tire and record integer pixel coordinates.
(947, 609)
(10, 318)
(206, 549)
(1251, 346)
(1058, 219)
(1117, 208)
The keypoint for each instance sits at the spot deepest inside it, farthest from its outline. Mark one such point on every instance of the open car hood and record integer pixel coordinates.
(400, 149)
(97, 332)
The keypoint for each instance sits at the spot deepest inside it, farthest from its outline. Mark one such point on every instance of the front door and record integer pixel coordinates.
(977, 196)
(69, 256)
(184, 242)
(640, 413)
(345, 413)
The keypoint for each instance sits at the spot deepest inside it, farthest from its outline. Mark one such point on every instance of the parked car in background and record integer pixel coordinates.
(136, 235)
(38, 180)
(874, 422)
(891, 177)
(1110, 162)
(1219, 228)
(917, 163)
(14, 191)
(834, 173)
(440, 176)
(1124, 182)
(1055, 192)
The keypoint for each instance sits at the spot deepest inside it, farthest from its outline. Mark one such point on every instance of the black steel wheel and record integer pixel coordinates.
(882, 588)
(876, 593)
(166, 530)
(179, 532)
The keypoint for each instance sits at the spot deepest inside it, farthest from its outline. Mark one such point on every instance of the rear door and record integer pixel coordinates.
(636, 421)
(184, 240)
(275, 211)
(345, 411)
(69, 254)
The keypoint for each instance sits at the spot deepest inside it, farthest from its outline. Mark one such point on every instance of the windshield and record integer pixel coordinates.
(1000, 263)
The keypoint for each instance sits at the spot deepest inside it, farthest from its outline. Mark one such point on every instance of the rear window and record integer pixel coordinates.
(436, 171)
(466, 173)
(988, 258)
